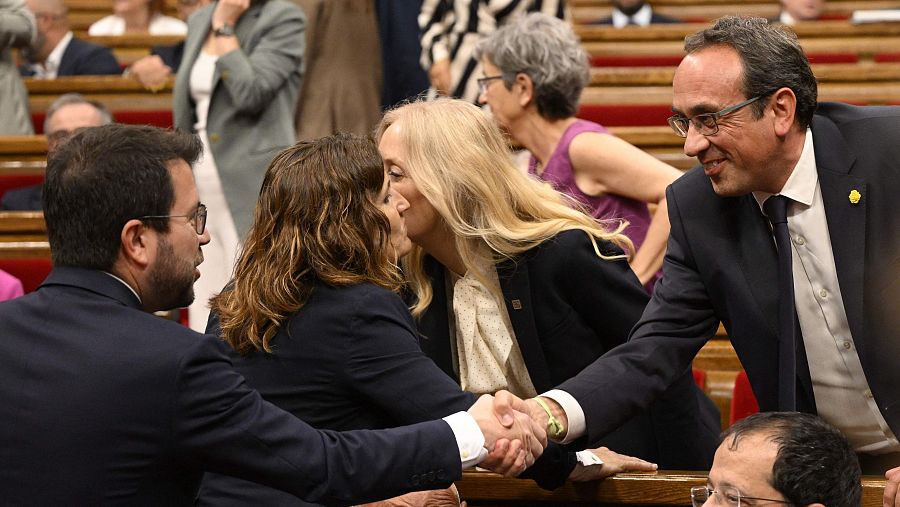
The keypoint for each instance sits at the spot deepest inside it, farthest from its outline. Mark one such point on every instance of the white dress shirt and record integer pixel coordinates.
(50, 67)
(640, 18)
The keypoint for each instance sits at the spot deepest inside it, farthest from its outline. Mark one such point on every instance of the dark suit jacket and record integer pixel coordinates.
(721, 266)
(350, 359)
(102, 403)
(347, 360)
(22, 199)
(84, 59)
(170, 55)
(567, 308)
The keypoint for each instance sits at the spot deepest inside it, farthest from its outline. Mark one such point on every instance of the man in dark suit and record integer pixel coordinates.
(745, 99)
(65, 115)
(633, 12)
(102, 402)
(56, 52)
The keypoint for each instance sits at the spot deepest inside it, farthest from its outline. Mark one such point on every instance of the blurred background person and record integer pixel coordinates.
(534, 72)
(155, 69)
(314, 317)
(65, 115)
(514, 289)
(17, 30)
(138, 16)
(237, 88)
(451, 28)
(57, 52)
(633, 13)
(793, 11)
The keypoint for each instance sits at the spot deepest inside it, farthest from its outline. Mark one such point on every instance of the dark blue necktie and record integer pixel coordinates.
(775, 208)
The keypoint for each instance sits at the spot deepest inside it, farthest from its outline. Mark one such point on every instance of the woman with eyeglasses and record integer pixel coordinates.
(511, 287)
(314, 316)
(534, 72)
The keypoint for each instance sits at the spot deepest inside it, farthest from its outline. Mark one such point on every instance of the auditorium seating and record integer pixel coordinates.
(24, 250)
(663, 488)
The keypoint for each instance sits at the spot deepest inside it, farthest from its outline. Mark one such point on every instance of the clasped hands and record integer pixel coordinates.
(515, 435)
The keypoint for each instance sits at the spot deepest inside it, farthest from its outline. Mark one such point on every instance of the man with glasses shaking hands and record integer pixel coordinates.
(788, 234)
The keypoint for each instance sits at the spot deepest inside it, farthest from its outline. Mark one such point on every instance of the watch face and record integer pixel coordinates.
(224, 31)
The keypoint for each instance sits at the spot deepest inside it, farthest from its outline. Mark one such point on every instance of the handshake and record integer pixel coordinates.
(515, 433)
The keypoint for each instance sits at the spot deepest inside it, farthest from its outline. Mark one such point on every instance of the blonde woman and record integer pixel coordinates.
(512, 287)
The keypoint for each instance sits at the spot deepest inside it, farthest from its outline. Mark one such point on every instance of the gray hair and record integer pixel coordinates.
(547, 51)
(76, 98)
(771, 57)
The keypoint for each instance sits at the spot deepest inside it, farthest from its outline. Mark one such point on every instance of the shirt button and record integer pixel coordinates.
(823, 293)
(465, 454)
(847, 344)
(799, 240)
(867, 393)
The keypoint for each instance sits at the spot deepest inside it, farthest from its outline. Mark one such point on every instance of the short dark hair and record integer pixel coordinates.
(814, 463)
(102, 178)
(771, 57)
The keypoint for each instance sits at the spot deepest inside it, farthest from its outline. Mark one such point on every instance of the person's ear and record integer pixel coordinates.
(138, 243)
(524, 87)
(784, 107)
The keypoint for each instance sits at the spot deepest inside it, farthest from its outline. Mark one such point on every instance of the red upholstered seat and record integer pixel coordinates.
(743, 402)
(161, 118)
(699, 378)
(30, 271)
(833, 58)
(636, 61)
(11, 181)
(639, 115)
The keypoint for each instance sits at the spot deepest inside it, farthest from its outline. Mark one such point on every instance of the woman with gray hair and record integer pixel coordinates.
(534, 72)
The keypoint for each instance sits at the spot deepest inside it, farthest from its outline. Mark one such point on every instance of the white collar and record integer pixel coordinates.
(641, 18)
(801, 184)
(123, 282)
(787, 19)
(50, 68)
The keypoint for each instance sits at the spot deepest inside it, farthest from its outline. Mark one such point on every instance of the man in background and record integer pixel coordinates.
(793, 11)
(57, 52)
(65, 115)
(633, 13)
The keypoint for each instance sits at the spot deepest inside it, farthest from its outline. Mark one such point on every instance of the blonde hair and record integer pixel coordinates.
(461, 164)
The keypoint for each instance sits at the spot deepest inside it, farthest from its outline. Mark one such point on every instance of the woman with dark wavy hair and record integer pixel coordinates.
(313, 312)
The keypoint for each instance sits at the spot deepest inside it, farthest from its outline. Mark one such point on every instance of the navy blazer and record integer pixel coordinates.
(655, 19)
(83, 59)
(102, 403)
(568, 307)
(721, 266)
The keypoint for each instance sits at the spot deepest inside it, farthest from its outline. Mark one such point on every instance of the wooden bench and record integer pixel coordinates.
(130, 47)
(125, 97)
(664, 488)
(24, 249)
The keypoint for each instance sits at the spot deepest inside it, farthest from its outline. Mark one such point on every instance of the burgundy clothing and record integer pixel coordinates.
(559, 173)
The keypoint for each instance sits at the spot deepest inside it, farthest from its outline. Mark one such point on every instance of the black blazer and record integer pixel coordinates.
(567, 307)
(655, 19)
(83, 59)
(349, 359)
(102, 403)
(721, 266)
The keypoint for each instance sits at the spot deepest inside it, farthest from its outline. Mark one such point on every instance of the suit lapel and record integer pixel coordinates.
(516, 286)
(67, 60)
(434, 325)
(846, 221)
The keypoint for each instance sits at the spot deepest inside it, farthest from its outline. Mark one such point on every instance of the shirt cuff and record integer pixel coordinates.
(469, 438)
(573, 411)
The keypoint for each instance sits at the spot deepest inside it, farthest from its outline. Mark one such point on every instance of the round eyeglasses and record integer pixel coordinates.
(198, 218)
(726, 496)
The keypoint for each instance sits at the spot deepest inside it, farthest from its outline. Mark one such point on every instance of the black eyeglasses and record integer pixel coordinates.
(706, 123)
(483, 82)
(198, 218)
(725, 496)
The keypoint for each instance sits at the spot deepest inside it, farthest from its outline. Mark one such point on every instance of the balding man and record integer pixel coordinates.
(793, 11)
(65, 115)
(56, 52)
